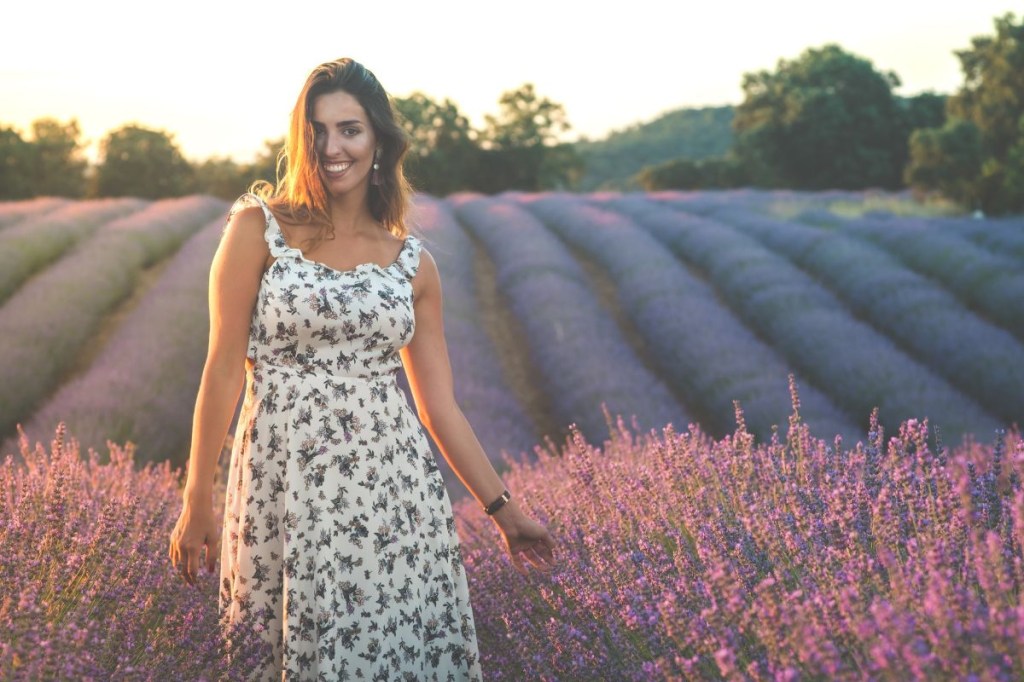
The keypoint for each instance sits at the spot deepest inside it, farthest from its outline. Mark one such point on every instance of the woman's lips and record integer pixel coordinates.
(337, 168)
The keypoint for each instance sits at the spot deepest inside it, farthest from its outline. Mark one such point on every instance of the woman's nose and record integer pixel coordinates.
(333, 146)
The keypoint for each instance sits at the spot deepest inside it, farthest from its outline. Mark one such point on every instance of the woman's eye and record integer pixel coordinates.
(351, 131)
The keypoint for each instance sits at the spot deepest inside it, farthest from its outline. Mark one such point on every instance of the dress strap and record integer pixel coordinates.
(272, 233)
(409, 259)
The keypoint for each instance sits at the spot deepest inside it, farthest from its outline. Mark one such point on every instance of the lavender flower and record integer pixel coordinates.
(745, 562)
(86, 589)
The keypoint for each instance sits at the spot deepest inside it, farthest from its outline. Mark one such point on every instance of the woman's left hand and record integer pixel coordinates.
(527, 542)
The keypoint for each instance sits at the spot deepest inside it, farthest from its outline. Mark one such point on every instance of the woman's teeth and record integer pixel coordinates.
(336, 167)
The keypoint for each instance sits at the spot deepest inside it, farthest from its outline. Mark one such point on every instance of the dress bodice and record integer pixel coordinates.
(342, 323)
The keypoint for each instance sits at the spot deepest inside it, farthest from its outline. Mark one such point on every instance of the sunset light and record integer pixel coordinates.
(221, 75)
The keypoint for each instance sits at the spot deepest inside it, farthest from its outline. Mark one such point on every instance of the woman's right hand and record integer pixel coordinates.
(196, 528)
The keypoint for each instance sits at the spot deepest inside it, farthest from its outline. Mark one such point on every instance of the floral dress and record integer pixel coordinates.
(339, 543)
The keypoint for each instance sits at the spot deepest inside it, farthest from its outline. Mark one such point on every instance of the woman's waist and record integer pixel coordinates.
(262, 369)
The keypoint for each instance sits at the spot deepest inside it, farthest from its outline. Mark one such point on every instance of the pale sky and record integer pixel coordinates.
(223, 75)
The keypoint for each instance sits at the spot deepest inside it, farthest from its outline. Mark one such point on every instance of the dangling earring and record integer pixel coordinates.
(375, 175)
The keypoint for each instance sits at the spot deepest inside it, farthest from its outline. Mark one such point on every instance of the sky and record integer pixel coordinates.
(222, 76)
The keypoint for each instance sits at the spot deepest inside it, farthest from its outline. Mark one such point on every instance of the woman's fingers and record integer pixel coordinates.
(546, 549)
(212, 552)
(535, 555)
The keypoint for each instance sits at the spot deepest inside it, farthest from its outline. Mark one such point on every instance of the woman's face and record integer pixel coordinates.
(344, 142)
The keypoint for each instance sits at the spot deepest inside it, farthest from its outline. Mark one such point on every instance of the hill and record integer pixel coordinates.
(697, 133)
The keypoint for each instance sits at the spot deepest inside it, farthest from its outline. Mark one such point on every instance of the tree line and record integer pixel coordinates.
(825, 120)
(830, 120)
(518, 148)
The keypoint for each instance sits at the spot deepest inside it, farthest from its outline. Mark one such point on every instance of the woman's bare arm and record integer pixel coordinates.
(430, 377)
(234, 284)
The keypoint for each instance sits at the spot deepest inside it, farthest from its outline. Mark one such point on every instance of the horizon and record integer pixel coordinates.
(191, 78)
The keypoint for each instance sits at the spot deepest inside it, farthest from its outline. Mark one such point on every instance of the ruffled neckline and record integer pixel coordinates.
(279, 248)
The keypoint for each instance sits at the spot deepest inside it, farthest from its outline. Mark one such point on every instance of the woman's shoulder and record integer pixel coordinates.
(251, 205)
(247, 227)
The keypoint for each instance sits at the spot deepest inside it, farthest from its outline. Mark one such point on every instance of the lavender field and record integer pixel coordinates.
(660, 307)
(774, 433)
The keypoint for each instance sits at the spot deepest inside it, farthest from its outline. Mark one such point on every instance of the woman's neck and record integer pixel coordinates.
(351, 215)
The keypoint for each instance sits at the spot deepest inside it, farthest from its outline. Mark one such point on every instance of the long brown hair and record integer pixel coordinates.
(300, 192)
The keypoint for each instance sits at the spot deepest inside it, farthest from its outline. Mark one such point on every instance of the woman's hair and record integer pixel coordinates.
(300, 191)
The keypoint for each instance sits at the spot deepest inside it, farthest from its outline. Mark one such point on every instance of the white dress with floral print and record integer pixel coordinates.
(339, 542)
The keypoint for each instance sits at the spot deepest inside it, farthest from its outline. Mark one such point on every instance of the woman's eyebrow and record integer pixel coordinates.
(348, 122)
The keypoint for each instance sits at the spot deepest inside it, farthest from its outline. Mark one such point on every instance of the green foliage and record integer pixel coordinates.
(714, 173)
(947, 159)
(443, 154)
(525, 120)
(265, 166)
(926, 110)
(518, 148)
(227, 179)
(58, 164)
(15, 165)
(49, 164)
(825, 120)
(694, 134)
(220, 177)
(142, 162)
(992, 98)
(521, 149)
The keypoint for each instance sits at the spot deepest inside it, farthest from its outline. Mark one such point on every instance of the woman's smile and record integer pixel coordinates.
(336, 168)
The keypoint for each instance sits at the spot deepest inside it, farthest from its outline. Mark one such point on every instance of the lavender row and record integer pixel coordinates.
(990, 283)
(857, 366)
(983, 360)
(30, 245)
(47, 323)
(498, 419)
(579, 353)
(699, 345)
(142, 386)
(13, 212)
(1004, 236)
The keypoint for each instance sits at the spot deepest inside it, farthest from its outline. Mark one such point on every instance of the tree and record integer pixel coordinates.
(225, 178)
(948, 160)
(925, 110)
(138, 161)
(713, 173)
(825, 120)
(265, 166)
(522, 145)
(58, 164)
(525, 120)
(220, 177)
(443, 154)
(16, 158)
(992, 99)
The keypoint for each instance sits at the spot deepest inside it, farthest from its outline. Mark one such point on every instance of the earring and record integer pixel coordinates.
(375, 175)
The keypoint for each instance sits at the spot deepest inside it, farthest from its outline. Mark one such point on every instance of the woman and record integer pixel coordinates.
(338, 540)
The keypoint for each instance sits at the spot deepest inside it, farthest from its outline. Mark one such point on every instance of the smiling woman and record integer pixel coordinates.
(338, 543)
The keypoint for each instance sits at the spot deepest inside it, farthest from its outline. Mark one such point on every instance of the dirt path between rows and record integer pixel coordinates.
(112, 321)
(511, 345)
